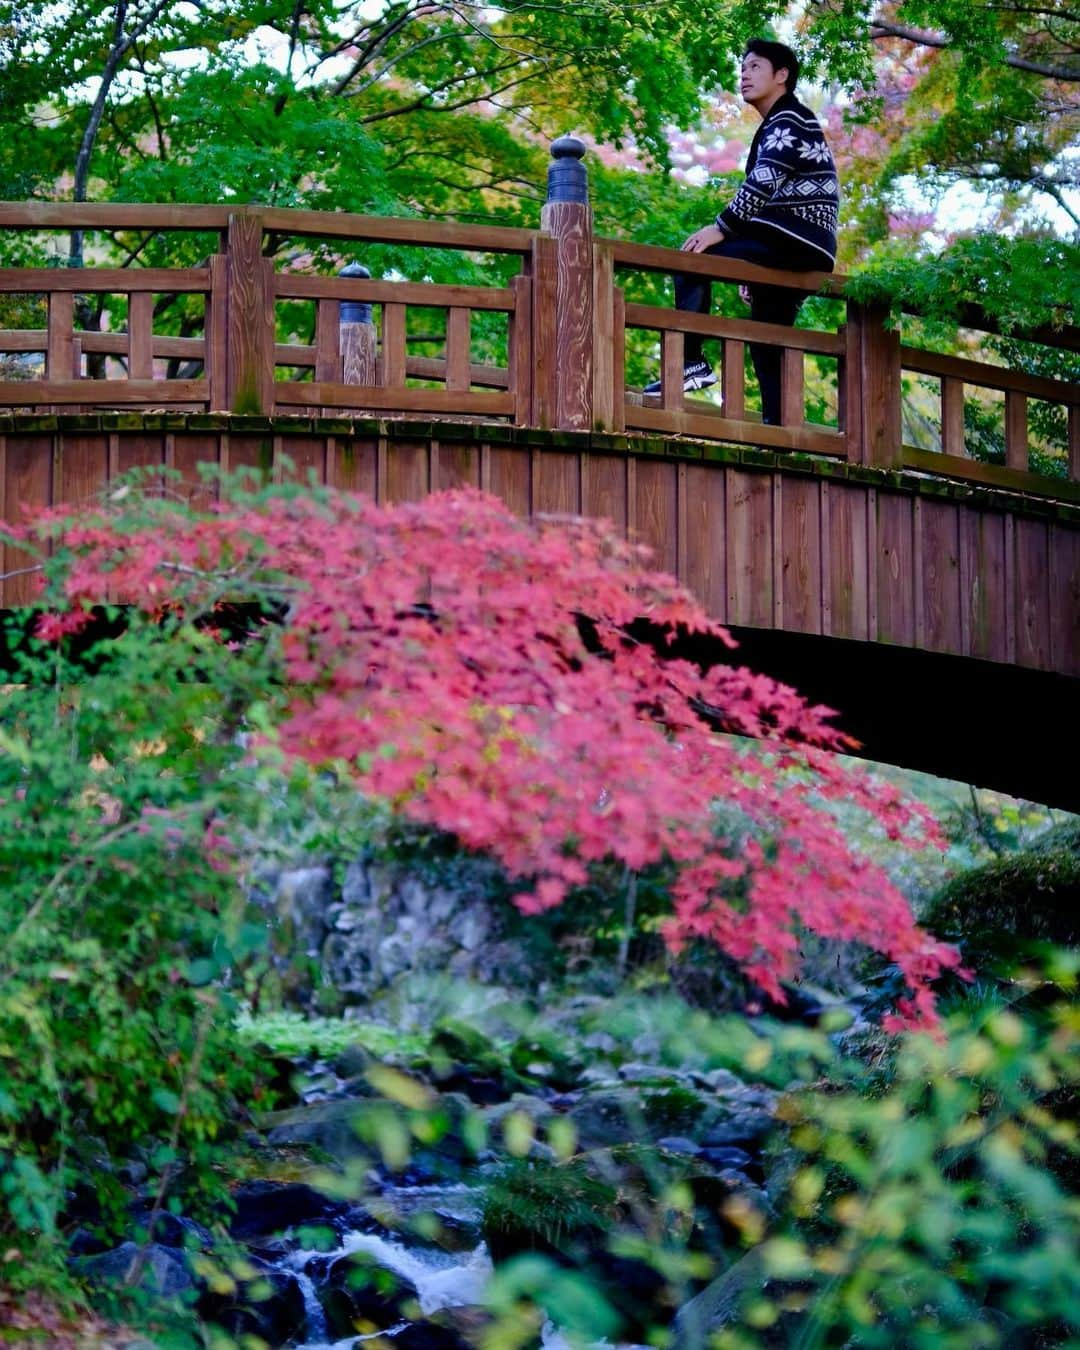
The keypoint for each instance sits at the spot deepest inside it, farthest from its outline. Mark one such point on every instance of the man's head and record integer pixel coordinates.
(769, 70)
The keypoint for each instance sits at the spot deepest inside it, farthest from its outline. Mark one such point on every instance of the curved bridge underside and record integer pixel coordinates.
(943, 619)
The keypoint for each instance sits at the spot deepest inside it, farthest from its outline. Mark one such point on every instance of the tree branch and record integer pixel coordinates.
(372, 48)
(121, 45)
(479, 97)
(880, 29)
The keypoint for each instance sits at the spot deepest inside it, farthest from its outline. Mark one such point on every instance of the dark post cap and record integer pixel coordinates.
(568, 180)
(355, 311)
(568, 147)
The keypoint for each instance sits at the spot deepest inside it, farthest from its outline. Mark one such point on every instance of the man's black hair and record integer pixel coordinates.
(779, 56)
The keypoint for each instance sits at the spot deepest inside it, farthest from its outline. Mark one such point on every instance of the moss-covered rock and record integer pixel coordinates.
(610, 1116)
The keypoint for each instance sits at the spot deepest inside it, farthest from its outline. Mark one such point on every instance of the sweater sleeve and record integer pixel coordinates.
(776, 161)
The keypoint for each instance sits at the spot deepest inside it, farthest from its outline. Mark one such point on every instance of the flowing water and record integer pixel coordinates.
(441, 1279)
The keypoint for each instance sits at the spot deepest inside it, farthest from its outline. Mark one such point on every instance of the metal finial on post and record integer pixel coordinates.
(568, 179)
(357, 334)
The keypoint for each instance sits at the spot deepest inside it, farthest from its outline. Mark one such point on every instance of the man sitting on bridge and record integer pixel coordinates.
(784, 215)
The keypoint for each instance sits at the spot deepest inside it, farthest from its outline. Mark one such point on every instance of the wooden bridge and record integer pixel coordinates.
(930, 595)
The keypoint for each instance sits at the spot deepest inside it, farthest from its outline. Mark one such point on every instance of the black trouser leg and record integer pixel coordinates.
(693, 295)
(771, 304)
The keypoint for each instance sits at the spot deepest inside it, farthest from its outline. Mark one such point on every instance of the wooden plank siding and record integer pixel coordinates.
(763, 545)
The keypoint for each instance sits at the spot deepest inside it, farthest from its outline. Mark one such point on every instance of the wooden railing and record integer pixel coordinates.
(568, 328)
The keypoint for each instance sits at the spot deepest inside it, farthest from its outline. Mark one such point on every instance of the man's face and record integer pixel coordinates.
(759, 82)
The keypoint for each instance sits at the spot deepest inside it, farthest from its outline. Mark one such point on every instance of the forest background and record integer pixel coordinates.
(447, 110)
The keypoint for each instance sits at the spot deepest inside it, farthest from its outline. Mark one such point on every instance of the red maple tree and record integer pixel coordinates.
(477, 671)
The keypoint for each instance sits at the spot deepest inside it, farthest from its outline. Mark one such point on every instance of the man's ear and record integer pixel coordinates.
(783, 70)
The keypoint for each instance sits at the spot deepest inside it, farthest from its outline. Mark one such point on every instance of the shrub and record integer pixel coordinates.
(999, 912)
(940, 1211)
(122, 915)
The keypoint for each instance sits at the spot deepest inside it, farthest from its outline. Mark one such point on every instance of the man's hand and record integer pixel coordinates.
(704, 238)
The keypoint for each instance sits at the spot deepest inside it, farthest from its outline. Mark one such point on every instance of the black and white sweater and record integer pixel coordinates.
(791, 189)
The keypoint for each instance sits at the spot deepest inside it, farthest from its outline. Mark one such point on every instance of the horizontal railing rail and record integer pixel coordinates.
(549, 348)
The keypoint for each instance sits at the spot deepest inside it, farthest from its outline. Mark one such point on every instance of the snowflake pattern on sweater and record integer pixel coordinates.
(791, 189)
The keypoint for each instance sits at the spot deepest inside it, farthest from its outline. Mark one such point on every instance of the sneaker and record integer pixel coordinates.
(695, 375)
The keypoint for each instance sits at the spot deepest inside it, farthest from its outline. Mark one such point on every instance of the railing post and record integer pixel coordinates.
(567, 218)
(872, 395)
(249, 320)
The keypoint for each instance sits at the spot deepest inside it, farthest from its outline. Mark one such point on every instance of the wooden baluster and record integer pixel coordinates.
(140, 335)
(458, 349)
(250, 321)
(852, 394)
(519, 350)
(61, 336)
(792, 390)
(216, 336)
(327, 342)
(733, 378)
(618, 358)
(952, 417)
(1074, 442)
(671, 391)
(607, 392)
(1016, 436)
(393, 345)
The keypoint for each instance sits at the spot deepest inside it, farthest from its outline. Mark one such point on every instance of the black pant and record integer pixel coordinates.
(768, 304)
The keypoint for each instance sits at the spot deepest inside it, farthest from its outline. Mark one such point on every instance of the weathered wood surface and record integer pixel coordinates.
(988, 376)
(395, 397)
(650, 258)
(282, 220)
(570, 225)
(298, 286)
(770, 545)
(989, 475)
(103, 280)
(668, 320)
(110, 393)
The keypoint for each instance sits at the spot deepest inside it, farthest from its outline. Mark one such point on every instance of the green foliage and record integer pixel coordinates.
(1025, 283)
(537, 1207)
(126, 931)
(416, 104)
(290, 1033)
(939, 1210)
(997, 913)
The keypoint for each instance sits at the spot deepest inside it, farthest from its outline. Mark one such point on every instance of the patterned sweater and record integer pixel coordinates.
(791, 189)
